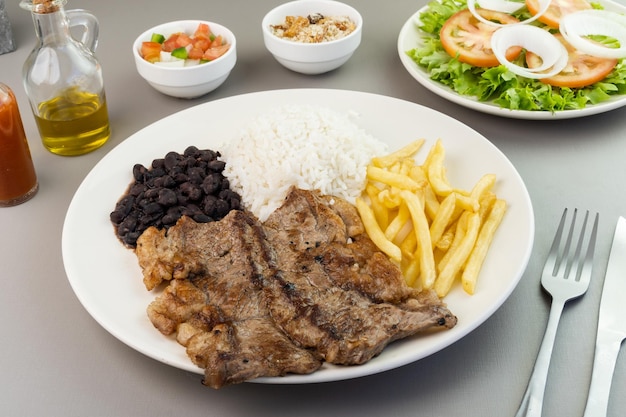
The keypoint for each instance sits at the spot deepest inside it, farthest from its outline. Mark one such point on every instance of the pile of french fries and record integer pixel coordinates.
(436, 233)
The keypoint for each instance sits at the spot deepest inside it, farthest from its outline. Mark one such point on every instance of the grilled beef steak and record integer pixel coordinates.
(335, 292)
(307, 286)
(216, 305)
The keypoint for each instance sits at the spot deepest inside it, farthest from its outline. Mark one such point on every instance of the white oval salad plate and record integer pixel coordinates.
(107, 279)
(410, 37)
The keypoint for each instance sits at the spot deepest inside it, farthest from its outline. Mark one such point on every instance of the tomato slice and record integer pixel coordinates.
(556, 10)
(581, 70)
(469, 40)
(218, 41)
(195, 53)
(151, 51)
(170, 43)
(215, 52)
(183, 40)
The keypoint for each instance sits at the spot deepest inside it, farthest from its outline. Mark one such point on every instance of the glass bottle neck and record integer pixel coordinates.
(51, 27)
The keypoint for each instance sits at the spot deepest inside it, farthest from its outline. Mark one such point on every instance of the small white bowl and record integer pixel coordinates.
(190, 81)
(311, 58)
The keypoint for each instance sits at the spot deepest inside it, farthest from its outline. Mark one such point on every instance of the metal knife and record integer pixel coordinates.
(611, 325)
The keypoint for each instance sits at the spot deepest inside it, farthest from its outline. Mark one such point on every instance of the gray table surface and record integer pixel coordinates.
(57, 361)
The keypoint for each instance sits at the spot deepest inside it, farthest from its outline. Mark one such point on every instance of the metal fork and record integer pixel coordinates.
(565, 276)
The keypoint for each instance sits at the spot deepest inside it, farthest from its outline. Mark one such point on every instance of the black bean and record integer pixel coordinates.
(180, 177)
(217, 165)
(157, 172)
(137, 189)
(128, 225)
(196, 175)
(235, 203)
(191, 151)
(126, 203)
(209, 205)
(131, 238)
(193, 192)
(191, 210)
(152, 193)
(208, 155)
(139, 172)
(169, 219)
(171, 159)
(152, 208)
(191, 184)
(167, 197)
(169, 182)
(201, 218)
(211, 183)
(117, 216)
(158, 163)
(221, 208)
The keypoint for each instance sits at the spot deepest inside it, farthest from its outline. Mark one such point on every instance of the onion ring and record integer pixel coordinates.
(541, 42)
(471, 5)
(575, 26)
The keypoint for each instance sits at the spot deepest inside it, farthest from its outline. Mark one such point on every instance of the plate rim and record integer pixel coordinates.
(329, 372)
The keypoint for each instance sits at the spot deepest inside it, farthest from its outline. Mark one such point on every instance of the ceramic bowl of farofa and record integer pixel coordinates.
(312, 36)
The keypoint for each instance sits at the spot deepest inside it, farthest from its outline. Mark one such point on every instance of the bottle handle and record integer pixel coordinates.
(90, 25)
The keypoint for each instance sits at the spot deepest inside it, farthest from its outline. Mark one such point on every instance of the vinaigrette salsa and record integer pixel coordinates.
(183, 49)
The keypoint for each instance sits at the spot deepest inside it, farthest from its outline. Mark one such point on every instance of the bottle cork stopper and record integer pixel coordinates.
(45, 6)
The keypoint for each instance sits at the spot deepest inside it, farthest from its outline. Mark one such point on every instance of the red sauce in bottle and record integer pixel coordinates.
(18, 181)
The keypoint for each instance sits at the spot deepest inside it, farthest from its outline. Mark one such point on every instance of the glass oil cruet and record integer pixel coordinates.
(63, 79)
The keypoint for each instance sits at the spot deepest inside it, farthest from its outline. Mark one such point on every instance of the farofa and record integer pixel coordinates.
(314, 28)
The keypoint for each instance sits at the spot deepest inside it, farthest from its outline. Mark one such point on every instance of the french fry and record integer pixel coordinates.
(442, 218)
(483, 242)
(409, 245)
(484, 184)
(391, 178)
(411, 274)
(458, 255)
(422, 233)
(375, 232)
(437, 172)
(406, 152)
(397, 223)
(436, 233)
(380, 211)
(431, 203)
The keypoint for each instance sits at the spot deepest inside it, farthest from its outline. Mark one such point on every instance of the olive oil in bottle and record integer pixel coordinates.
(73, 123)
(63, 79)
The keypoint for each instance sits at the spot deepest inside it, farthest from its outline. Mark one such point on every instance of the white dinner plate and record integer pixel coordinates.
(107, 279)
(410, 37)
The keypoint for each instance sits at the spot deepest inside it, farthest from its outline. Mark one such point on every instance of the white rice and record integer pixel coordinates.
(311, 147)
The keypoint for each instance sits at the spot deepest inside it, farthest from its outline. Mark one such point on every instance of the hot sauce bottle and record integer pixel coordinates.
(18, 181)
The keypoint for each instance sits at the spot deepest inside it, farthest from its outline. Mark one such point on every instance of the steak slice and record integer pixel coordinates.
(215, 304)
(335, 292)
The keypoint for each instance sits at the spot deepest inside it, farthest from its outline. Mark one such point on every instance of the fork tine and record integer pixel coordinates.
(584, 268)
(553, 254)
(570, 261)
(575, 256)
(566, 255)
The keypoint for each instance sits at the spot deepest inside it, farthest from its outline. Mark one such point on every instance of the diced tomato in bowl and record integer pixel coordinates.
(187, 58)
(199, 47)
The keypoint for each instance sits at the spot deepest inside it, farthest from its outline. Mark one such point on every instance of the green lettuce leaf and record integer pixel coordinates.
(498, 84)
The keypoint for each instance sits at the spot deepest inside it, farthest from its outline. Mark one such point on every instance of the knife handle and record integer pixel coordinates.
(608, 345)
